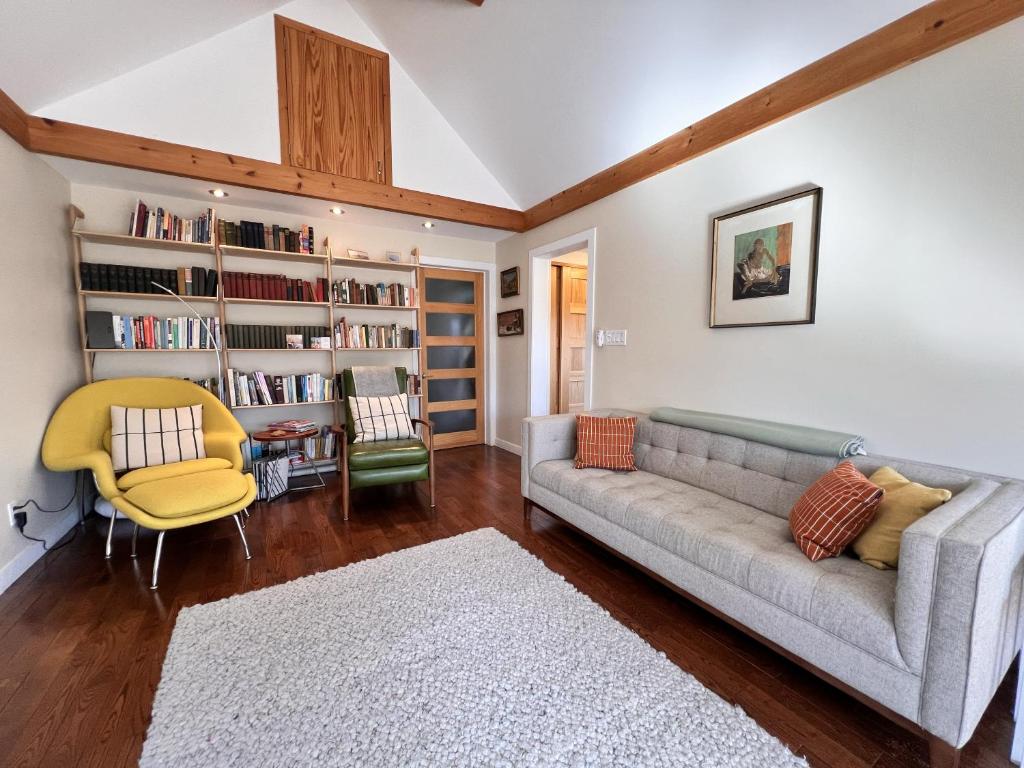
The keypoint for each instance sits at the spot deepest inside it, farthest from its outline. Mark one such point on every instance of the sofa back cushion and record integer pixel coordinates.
(762, 476)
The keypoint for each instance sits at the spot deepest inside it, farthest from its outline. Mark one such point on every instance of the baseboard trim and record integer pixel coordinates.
(507, 446)
(11, 571)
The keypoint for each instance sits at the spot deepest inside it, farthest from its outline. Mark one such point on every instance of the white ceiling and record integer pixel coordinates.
(547, 93)
(145, 182)
(50, 49)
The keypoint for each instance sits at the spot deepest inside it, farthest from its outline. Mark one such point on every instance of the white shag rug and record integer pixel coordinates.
(462, 652)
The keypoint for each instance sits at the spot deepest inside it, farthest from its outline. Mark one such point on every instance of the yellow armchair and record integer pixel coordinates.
(164, 497)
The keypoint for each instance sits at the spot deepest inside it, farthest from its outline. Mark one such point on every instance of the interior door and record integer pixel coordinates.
(572, 345)
(452, 354)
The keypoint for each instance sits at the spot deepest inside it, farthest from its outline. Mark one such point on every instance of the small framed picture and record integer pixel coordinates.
(764, 263)
(509, 282)
(293, 341)
(354, 254)
(393, 256)
(510, 323)
(320, 342)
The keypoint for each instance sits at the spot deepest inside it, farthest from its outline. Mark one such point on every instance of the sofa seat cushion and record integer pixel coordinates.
(163, 471)
(750, 548)
(386, 453)
(189, 494)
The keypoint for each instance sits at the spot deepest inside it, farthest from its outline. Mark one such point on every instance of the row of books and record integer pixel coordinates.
(123, 278)
(413, 384)
(271, 237)
(278, 336)
(350, 291)
(257, 285)
(149, 332)
(366, 336)
(260, 388)
(158, 224)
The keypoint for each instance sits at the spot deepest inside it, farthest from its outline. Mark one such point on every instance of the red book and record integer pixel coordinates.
(282, 288)
(250, 286)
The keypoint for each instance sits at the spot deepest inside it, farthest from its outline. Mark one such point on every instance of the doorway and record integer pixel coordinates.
(452, 354)
(576, 251)
(568, 332)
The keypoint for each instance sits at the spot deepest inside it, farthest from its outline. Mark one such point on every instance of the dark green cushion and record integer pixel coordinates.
(388, 475)
(386, 453)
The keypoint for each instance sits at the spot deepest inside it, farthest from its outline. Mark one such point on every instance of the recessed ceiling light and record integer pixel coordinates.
(428, 225)
(337, 210)
(218, 192)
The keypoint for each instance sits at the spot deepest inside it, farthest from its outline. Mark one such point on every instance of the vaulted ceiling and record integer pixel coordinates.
(545, 92)
(549, 92)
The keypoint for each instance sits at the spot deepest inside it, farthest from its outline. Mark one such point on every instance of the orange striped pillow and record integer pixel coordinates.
(605, 442)
(833, 511)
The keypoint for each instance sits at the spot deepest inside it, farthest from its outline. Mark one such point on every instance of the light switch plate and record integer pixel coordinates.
(611, 338)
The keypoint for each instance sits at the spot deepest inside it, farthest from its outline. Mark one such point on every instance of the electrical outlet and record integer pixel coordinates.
(10, 511)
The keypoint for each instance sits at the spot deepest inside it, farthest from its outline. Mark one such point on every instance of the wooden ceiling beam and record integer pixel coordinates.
(81, 142)
(13, 120)
(928, 30)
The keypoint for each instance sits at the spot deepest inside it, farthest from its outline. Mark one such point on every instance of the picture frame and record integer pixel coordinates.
(509, 282)
(362, 255)
(764, 263)
(510, 323)
(393, 257)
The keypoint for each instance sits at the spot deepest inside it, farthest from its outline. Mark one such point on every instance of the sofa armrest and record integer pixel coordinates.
(546, 438)
(960, 576)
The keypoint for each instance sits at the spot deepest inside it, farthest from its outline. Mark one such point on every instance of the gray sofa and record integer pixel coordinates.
(927, 645)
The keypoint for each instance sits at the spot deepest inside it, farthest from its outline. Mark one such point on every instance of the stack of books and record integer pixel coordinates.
(256, 234)
(278, 336)
(255, 285)
(413, 384)
(149, 332)
(123, 278)
(365, 336)
(291, 425)
(350, 291)
(260, 388)
(158, 224)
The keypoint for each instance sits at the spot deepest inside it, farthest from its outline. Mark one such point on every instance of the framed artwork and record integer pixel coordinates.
(509, 282)
(510, 323)
(764, 263)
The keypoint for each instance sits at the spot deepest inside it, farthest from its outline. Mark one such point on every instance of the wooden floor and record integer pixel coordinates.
(82, 639)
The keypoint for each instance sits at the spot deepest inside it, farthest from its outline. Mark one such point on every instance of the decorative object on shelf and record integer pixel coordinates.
(509, 282)
(510, 323)
(354, 254)
(293, 341)
(320, 342)
(764, 263)
(393, 256)
(328, 251)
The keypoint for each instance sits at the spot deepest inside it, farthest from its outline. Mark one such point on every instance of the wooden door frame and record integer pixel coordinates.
(490, 297)
(538, 319)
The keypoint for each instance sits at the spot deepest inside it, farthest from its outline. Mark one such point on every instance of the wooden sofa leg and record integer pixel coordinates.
(941, 754)
(527, 506)
(344, 493)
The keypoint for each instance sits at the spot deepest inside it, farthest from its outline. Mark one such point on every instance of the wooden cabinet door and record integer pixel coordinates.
(334, 104)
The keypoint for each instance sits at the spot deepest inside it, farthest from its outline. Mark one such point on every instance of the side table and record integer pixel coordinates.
(271, 436)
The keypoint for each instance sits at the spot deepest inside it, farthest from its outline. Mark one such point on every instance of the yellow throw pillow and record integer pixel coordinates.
(904, 502)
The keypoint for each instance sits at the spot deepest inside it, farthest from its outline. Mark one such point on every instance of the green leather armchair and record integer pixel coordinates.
(386, 462)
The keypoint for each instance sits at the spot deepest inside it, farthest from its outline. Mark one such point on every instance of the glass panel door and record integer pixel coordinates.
(451, 360)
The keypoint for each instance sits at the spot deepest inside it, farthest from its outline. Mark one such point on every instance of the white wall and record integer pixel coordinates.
(221, 94)
(919, 339)
(39, 346)
(107, 210)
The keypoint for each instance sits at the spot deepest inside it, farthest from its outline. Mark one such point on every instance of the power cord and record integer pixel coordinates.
(21, 516)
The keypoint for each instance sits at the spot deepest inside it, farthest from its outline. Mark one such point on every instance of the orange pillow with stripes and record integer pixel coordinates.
(605, 442)
(833, 511)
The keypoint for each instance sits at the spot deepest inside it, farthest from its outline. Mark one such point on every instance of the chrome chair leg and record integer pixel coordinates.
(238, 523)
(110, 535)
(135, 541)
(156, 560)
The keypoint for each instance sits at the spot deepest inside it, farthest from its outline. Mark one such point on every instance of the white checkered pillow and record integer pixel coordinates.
(148, 437)
(380, 418)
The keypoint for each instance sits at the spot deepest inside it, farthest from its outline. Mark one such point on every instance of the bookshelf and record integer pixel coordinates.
(226, 257)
